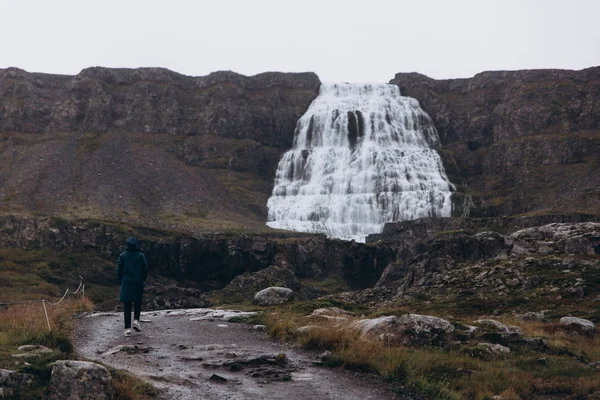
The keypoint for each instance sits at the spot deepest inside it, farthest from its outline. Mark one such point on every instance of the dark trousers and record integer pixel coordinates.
(137, 310)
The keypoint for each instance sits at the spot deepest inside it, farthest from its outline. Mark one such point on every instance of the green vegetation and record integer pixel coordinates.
(43, 273)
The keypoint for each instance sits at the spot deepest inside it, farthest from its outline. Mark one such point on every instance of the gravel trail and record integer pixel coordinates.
(179, 351)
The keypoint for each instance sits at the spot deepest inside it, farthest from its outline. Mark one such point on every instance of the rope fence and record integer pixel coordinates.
(80, 288)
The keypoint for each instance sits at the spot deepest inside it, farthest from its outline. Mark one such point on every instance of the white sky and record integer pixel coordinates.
(347, 40)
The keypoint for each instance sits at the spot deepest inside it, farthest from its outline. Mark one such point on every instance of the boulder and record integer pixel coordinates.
(74, 380)
(492, 348)
(409, 329)
(534, 316)
(493, 325)
(273, 295)
(11, 382)
(581, 325)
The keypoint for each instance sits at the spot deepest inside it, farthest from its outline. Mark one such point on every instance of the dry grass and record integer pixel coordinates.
(452, 373)
(129, 387)
(26, 324)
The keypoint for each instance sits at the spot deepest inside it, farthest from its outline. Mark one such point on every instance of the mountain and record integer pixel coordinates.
(517, 141)
(147, 146)
(155, 148)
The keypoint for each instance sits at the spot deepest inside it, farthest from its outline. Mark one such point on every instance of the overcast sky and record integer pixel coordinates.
(354, 41)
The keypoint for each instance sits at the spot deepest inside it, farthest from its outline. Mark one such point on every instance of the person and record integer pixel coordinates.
(132, 270)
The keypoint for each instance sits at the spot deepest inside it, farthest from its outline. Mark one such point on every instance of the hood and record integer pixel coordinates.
(132, 244)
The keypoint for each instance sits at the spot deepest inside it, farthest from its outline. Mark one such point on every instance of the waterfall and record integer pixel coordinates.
(363, 155)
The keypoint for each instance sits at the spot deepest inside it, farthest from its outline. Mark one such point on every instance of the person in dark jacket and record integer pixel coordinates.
(132, 270)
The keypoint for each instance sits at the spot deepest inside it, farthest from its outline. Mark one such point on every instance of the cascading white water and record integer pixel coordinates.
(363, 155)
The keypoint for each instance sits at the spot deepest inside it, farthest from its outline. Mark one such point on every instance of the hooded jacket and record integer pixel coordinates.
(132, 270)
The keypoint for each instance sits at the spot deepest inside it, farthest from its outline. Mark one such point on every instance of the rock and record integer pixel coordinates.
(25, 355)
(391, 273)
(159, 297)
(515, 329)
(593, 365)
(11, 382)
(218, 378)
(534, 316)
(310, 328)
(273, 295)
(35, 348)
(492, 324)
(411, 329)
(259, 328)
(325, 356)
(536, 344)
(332, 311)
(579, 324)
(72, 380)
(493, 348)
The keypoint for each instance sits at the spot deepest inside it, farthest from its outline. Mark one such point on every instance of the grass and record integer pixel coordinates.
(26, 324)
(45, 274)
(452, 373)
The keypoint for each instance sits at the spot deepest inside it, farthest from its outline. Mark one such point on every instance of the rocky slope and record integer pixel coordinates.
(148, 145)
(517, 141)
(474, 269)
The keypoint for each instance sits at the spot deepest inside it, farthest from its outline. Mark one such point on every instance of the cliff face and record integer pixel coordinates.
(153, 147)
(148, 145)
(208, 262)
(518, 141)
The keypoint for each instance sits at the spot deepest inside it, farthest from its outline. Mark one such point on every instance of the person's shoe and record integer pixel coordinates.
(136, 325)
(127, 332)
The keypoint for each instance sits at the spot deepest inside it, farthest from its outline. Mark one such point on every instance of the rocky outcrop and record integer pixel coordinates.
(263, 107)
(582, 239)
(410, 238)
(273, 296)
(486, 271)
(208, 262)
(72, 380)
(517, 141)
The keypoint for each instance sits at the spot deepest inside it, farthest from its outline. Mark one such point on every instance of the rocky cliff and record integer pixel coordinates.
(147, 145)
(518, 141)
(153, 147)
(206, 263)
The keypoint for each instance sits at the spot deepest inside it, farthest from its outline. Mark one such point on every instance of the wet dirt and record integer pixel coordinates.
(198, 354)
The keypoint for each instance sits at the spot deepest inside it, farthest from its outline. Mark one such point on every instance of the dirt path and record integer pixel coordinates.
(179, 351)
